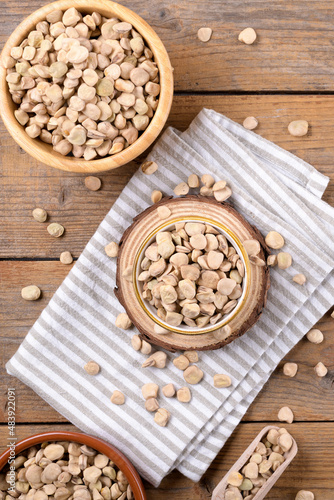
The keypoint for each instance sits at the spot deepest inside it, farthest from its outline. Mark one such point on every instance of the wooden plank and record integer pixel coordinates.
(293, 50)
(312, 469)
(27, 184)
(310, 397)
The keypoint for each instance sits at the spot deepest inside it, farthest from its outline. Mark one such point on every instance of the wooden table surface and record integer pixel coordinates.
(287, 74)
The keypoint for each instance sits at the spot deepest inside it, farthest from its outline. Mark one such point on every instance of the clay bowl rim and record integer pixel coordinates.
(43, 152)
(236, 243)
(113, 453)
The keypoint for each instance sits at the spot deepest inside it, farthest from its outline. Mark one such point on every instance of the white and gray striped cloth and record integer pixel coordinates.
(274, 190)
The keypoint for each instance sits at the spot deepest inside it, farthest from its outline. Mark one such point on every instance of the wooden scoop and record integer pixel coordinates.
(219, 491)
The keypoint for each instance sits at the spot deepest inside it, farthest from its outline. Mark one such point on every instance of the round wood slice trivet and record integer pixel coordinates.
(187, 207)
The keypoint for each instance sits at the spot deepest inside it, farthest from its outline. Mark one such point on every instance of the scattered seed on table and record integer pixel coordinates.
(40, 214)
(181, 189)
(168, 390)
(299, 278)
(320, 369)
(92, 368)
(56, 230)
(290, 369)
(221, 380)
(146, 348)
(123, 321)
(193, 375)
(204, 34)
(151, 404)
(284, 260)
(31, 292)
(193, 181)
(298, 128)
(304, 495)
(183, 395)
(272, 260)
(285, 415)
(250, 123)
(192, 356)
(149, 167)
(274, 240)
(247, 36)
(207, 180)
(156, 196)
(92, 183)
(111, 249)
(117, 398)
(162, 417)
(315, 336)
(66, 258)
(150, 390)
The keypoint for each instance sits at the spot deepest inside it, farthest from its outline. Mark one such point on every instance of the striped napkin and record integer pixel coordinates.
(274, 190)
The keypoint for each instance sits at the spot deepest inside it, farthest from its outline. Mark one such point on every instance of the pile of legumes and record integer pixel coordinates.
(266, 459)
(63, 470)
(85, 84)
(192, 275)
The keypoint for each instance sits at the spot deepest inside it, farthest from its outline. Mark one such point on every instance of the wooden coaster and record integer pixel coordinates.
(208, 210)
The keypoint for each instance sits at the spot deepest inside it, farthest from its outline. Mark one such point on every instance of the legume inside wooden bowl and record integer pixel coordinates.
(201, 333)
(120, 461)
(43, 151)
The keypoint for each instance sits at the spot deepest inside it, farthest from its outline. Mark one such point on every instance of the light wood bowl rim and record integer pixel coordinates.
(43, 152)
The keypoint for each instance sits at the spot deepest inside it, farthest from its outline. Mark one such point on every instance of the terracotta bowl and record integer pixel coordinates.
(44, 152)
(116, 456)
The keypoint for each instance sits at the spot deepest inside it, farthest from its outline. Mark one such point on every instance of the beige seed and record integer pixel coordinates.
(66, 258)
(193, 375)
(193, 181)
(162, 417)
(181, 362)
(290, 369)
(285, 415)
(235, 479)
(207, 180)
(298, 128)
(117, 398)
(304, 495)
(284, 260)
(192, 356)
(315, 336)
(299, 278)
(193, 228)
(254, 259)
(320, 369)
(136, 342)
(222, 333)
(146, 348)
(163, 212)
(151, 404)
(184, 395)
(40, 214)
(31, 292)
(221, 380)
(252, 247)
(55, 229)
(226, 286)
(149, 167)
(285, 441)
(223, 194)
(92, 368)
(157, 359)
(127, 273)
(218, 186)
(54, 452)
(274, 240)
(123, 321)
(150, 390)
(271, 260)
(247, 36)
(92, 183)
(168, 391)
(204, 34)
(198, 241)
(181, 189)
(250, 123)
(111, 249)
(156, 196)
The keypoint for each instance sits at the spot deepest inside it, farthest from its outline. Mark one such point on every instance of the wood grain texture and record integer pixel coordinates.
(26, 183)
(293, 51)
(44, 152)
(310, 397)
(312, 468)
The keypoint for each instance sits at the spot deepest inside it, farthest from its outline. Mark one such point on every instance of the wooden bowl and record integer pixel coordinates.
(219, 491)
(44, 152)
(230, 222)
(107, 449)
